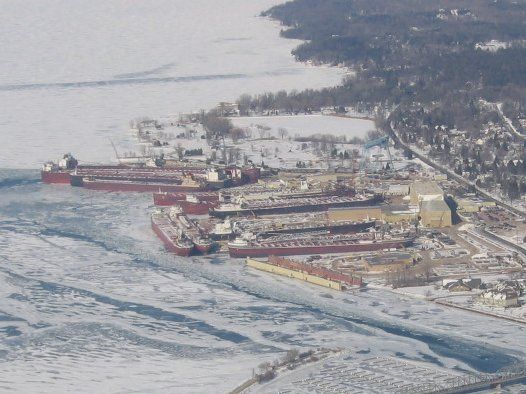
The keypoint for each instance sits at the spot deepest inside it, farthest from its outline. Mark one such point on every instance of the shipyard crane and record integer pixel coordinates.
(115, 150)
(382, 142)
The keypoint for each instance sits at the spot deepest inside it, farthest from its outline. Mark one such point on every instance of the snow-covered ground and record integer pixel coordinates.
(307, 125)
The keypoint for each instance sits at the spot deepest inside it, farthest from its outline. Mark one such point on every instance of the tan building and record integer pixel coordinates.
(356, 214)
(425, 191)
(435, 213)
(468, 206)
(429, 197)
(388, 213)
(398, 214)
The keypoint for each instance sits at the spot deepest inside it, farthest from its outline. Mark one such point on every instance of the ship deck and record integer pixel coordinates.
(165, 225)
(297, 202)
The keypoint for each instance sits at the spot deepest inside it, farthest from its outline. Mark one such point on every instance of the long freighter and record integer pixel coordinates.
(142, 186)
(68, 167)
(165, 199)
(321, 244)
(173, 238)
(140, 178)
(203, 244)
(299, 223)
(292, 205)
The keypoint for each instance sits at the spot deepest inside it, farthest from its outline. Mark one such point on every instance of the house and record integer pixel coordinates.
(465, 284)
(504, 298)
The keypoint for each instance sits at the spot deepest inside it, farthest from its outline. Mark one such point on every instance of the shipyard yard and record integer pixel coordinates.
(162, 247)
(394, 235)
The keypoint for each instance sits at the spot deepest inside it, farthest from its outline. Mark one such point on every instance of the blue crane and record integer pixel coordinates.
(382, 142)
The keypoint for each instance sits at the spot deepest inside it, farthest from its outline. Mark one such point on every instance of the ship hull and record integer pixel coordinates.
(203, 248)
(332, 228)
(308, 249)
(169, 199)
(56, 177)
(322, 207)
(170, 245)
(192, 208)
(138, 187)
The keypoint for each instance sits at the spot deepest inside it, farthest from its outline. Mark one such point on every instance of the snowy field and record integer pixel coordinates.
(307, 125)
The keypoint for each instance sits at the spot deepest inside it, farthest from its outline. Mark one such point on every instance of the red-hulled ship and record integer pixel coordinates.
(194, 206)
(169, 199)
(190, 230)
(141, 178)
(292, 205)
(184, 185)
(320, 244)
(59, 172)
(299, 223)
(173, 238)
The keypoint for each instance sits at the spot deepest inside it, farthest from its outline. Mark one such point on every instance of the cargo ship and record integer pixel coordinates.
(320, 244)
(145, 178)
(190, 230)
(179, 234)
(187, 184)
(236, 194)
(300, 223)
(192, 205)
(172, 237)
(59, 172)
(164, 199)
(292, 205)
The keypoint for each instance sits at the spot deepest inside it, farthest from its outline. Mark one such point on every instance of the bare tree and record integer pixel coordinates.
(291, 356)
(179, 150)
(283, 132)
(264, 367)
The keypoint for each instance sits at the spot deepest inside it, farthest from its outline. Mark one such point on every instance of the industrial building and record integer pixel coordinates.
(435, 213)
(388, 213)
(387, 262)
(425, 191)
(356, 214)
(429, 197)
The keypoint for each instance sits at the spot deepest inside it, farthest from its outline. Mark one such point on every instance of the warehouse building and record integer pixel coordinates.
(356, 214)
(429, 197)
(425, 191)
(435, 213)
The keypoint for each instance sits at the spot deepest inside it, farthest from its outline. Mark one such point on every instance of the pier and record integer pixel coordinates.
(475, 383)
